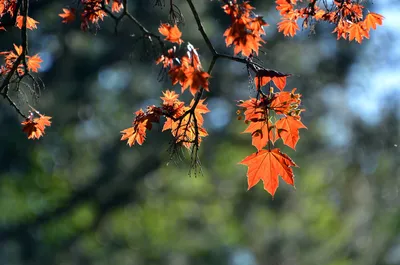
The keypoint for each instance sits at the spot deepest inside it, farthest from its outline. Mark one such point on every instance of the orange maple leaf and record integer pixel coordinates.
(319, 14)
(254, 109)
(285, 102)
(341, 29)
(195, 79)
(288, 129)
(284, 6)
(288, 27)
(357, 32)
(141, 123)
(264, 76)
(135, 134)
(201, 109)
(184, 130)
(34, 63)
(261, 133)
(246, 28)
(172, 34)
(18, 49)
(267, 165)
(117, 6)
(372, 19)
(35, 127)
(30, 22)
(68, 15)
(170, 97)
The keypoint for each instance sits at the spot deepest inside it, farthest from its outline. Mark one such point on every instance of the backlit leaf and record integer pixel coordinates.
(268, 165)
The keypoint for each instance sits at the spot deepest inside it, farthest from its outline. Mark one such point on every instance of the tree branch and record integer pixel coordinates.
(201, 28)
(21, 58)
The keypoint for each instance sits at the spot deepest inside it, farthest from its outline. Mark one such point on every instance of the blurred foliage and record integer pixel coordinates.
(80, 196)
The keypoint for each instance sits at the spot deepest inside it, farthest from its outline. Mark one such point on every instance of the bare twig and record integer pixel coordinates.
(4, 88)
(12, 103)
(201, 28)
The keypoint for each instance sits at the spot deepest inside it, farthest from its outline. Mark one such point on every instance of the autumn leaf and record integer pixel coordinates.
(288, 129)
(341, 29)
(35, 127)
(285, 102)
(184, 129)
(30, 22)
(319, 14)
(372, 19)
(283, 6)
(261, 133)
(135, 134)
(18, 49)
(171, 33)
(194, 80)
(170, 97)
(200, 109)
(288, 27)
(254, 109)
(264, 76)
(34, 63)
(142, 122)
(245, 30)
(117, 6)
(268, 165)
(68, 15)
(357, 32)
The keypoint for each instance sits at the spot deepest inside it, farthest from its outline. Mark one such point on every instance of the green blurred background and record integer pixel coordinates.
(81, 196)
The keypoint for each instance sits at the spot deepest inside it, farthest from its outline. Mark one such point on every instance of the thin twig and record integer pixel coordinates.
(6, 96)
(201, 28)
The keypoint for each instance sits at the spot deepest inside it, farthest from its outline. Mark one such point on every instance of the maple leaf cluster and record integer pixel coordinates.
(347, 16)
(92, 11)
(245, 30)
(18, 64)
(270, 117)
(184, 121)
(34, 126)
(10, 7)
(11, 58)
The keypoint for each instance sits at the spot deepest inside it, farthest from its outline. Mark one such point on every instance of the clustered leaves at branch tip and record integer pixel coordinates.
(271, 115)
(348, 16)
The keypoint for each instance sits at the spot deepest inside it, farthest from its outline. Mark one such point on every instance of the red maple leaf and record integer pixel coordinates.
(68, 15)
(267, 165)
(34, 63)
(134, 134)
(264, 76)
(171, 33)
(30, 22)
(289, 27)
(35, 127)
(357, 32)
(372, 19)
(261, 133)
(288, 130)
